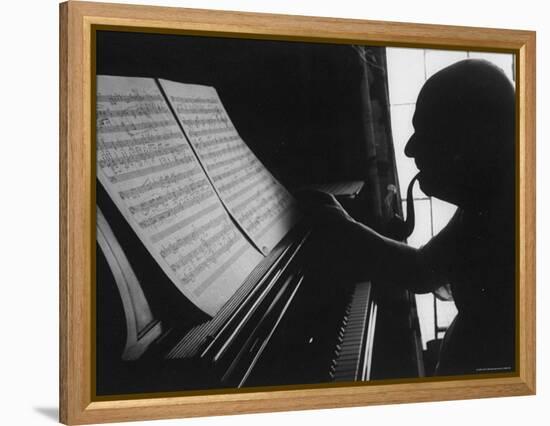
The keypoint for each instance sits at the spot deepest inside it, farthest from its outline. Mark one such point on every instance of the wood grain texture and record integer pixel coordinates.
(63, 200)
(77, 220)
(526, 208)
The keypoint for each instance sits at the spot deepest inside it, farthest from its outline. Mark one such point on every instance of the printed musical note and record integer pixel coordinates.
(256, 200)
(152, 175)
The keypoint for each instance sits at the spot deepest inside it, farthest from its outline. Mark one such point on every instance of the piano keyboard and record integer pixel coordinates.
(353, 351)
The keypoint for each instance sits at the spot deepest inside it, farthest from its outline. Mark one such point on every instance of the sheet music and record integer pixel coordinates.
(258, 202)
(152, 175)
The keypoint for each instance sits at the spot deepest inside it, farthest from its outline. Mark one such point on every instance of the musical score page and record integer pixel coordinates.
(152, 175)
(264, 209)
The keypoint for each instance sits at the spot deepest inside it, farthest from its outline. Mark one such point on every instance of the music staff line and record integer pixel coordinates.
(132, 127)
(273, 210)
(181, 206)
(198, 122)
(231, 160)
(276, 219)
(125, 159)
(122, 177)
(230, 148)
(170, 230)
(204, 144)
(218, 272)
(138, 140)
(210, 246)
(115, 99)
(162, 181)
(212, 131)
(250, 186)
(136, 110)
(182, 109)
(174, 246)
(193, 100)
(235, 182)
(175, 194)
(235, 170)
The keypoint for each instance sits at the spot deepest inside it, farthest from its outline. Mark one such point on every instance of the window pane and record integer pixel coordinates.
(425, 310)
(406, 74)
(446, 312)
(442, 213)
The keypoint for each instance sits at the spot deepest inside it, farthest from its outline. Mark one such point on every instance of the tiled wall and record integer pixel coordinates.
(408, 69)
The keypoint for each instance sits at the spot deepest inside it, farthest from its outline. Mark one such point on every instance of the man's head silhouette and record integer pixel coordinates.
(463, 141)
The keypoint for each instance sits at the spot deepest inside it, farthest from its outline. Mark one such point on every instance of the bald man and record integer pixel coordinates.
(463, 146)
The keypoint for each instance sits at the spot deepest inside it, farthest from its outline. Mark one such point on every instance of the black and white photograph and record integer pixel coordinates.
(288, 213)
(275, 212)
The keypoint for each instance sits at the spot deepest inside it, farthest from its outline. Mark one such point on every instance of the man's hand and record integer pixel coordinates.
(322, 209)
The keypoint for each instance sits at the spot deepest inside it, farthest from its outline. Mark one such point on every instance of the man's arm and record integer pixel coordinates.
(383, 259)
(371, 255)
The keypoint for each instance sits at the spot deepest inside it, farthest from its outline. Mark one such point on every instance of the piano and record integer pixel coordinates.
(301, 317)
(293, 321)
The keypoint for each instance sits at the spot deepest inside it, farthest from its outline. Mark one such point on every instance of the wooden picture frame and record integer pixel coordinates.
(77, 209)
